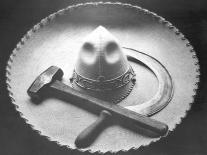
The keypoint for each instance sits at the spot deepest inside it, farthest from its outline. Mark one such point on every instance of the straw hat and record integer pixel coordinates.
(165, 64)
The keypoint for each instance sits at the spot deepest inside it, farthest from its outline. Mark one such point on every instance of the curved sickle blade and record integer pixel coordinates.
(165, 88)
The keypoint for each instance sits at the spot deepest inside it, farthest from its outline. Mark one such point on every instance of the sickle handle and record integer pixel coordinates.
(88, 135)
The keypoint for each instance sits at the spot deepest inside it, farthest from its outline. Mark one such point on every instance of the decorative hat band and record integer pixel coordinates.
(101, 84)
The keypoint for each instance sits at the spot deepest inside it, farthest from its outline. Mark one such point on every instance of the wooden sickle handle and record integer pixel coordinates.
(88, 135)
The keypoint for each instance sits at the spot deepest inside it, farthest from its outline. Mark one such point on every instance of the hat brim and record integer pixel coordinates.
(55, 41)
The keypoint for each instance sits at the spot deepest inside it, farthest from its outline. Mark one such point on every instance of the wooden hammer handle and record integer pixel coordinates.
(88, 135)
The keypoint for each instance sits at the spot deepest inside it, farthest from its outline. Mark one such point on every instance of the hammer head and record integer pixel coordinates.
(43, 80)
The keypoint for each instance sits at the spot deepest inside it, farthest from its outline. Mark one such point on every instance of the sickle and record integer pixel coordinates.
(157, 103)
(165, 87)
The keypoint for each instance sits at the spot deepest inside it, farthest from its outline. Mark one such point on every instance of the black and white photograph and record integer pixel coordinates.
(83, 77)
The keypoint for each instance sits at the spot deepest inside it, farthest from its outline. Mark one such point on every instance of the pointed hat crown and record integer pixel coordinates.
(101, 56)
(101, 64)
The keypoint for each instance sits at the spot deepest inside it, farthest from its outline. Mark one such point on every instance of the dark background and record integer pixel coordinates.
(18, 16)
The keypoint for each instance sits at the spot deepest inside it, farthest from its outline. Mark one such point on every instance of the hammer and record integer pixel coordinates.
(49, 80)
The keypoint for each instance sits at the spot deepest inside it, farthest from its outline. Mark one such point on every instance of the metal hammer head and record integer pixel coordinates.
(43, 80)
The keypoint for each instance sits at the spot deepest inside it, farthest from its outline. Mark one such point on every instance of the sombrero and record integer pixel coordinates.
(153, 47)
